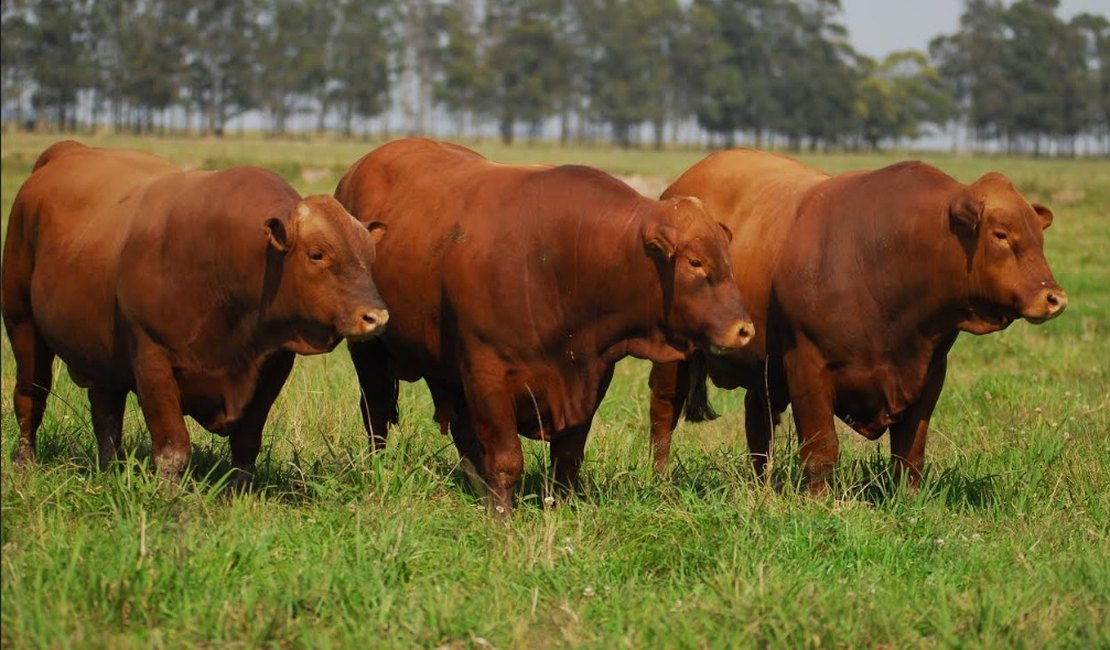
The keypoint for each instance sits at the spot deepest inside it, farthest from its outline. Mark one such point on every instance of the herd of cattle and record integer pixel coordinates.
(512, 291)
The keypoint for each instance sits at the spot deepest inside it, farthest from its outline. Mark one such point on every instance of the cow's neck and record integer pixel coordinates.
(639, 329)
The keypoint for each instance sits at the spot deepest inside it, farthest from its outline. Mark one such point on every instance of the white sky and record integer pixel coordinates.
(879, 27)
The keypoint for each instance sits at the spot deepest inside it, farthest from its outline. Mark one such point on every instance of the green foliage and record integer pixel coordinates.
(898, 95)
(1014, 73)
(524, 59)
(1025, 76)
(1005, 546)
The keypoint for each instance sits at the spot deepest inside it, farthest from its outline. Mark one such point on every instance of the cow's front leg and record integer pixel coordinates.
(502, 462)
(669, 383)
(245, 436)
(811, 394)
(160, 399)
(907, 437)
(493, 419)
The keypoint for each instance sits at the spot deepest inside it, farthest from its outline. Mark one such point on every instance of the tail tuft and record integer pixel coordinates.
(698, 408)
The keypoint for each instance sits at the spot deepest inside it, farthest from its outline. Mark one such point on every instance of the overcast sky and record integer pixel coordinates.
(879, 27)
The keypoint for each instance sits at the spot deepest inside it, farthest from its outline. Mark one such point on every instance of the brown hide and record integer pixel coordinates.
(858, 285)
(195, 289)
(514, 290)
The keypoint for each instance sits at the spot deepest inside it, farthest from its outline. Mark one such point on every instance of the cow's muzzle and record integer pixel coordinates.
(739, 334)
(368, 324)
(1050, 302)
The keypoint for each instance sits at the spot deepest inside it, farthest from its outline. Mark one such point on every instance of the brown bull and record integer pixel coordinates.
(194, 289)
(515, 290)
(858, 285)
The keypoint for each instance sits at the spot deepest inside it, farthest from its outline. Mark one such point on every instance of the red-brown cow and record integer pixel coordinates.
(514, 291)
(194, 289)
(858, 285)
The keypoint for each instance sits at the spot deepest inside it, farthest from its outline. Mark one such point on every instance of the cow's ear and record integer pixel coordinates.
(965, 212)
(377, 230)
(728, 233)
(1045, 214)
(281, 237)
(661, 239)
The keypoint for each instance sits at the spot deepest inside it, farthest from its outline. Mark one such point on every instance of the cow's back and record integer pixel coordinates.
(757, 195)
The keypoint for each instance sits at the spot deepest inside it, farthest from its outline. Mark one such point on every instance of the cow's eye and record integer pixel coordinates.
(695, 263)
(1000, 235)
(315, 256)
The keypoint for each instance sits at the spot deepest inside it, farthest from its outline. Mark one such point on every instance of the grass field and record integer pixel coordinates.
(1006, 545)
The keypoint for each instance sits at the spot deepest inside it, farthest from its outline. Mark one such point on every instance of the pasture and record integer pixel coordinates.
(1006, 545)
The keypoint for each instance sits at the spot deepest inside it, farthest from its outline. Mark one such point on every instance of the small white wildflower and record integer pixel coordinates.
(1067, 435)
(500, 510)
(975, 537)
(482, 642)
(549, 500)
(1037, 410)
(989, 396)
(588, 592)
(939, 541)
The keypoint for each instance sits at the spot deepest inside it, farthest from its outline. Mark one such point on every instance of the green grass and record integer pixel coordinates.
(1005, 546)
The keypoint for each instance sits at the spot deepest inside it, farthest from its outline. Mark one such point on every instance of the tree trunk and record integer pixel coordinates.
(505, 126)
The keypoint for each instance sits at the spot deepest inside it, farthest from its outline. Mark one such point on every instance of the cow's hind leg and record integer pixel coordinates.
(567, 452)
(107, 417)
(34, 376)
(377, 390)
(761, 416)
(245, 436)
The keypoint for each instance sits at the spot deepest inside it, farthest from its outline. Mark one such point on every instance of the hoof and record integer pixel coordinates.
(241, 481)
(24, 457)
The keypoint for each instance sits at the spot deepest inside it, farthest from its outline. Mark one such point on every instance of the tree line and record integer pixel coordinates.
(635, 72)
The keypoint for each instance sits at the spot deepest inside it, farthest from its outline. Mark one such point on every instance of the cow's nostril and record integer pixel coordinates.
(375, 317)
(1053, 299)
(745, 333)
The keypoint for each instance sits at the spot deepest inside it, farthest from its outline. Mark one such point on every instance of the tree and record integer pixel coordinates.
(360, 64)
(713, 65)
(460, 83)
(898, 95)
(815, 91)
(292, 55)
(632, 75)
(222, 58)
(524, 60)
(16, 75)
(59, 58)
(1095, 33)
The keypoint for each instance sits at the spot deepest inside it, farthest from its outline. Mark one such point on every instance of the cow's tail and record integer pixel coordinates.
(55, 150)
(698, 408)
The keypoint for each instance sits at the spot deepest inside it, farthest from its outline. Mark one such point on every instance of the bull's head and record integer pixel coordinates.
(325, 279)
(702, 301)
(1008, 276)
